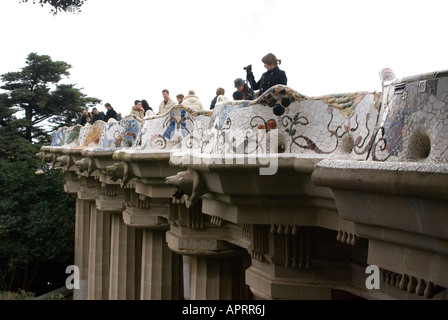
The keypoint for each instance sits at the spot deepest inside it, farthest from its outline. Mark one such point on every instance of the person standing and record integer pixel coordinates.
(97, 115)
(137, 110)
(192, 101)
(219, 92)
(180, 98)
(146, 106)
(270, 78)
(85, 118)
(166, 103)
(111, 113)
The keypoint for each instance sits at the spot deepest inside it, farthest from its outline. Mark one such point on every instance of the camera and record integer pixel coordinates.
(248, 68)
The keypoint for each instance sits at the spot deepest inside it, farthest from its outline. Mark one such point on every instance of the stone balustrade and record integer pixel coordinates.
(283, 197)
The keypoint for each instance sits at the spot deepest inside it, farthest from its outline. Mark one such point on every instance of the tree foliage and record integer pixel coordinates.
(61, 5)
(37, 217)
(36, 103)
(36, 222)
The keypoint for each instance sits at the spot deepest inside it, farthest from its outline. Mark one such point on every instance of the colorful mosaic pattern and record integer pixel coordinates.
(91, 135)
(120, 134)
(58, 136)
(331, 124)
(173, 130)
(414, 121)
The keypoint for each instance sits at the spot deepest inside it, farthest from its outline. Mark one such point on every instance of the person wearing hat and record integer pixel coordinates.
(241, 85)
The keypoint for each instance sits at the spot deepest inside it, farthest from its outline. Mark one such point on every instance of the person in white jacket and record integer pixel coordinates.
(192, 101)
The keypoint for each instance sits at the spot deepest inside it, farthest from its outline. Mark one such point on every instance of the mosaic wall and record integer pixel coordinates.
(120, 134)
(414, 123)
(326, 125)
(173, 130)
(91, 135)
(58, 136)
(408, 121)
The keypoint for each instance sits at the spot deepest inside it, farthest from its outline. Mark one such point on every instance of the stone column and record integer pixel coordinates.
(125, 260)
(216, 267)
(111, 200)
(161, 268)
(161, 277)
(85, 204)
(217, 278)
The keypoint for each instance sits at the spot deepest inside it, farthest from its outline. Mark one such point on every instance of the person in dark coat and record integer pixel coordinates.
(270, 78)
(97, 115)
(85, 118)
(146, 106)
(241, 85)
(219, 92)
(111, 113)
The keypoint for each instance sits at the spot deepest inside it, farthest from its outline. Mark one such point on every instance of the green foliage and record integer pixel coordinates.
(56, 296)
(34, 93)
(37, 217)
(60, 5)
(37, 220)
(20, 295)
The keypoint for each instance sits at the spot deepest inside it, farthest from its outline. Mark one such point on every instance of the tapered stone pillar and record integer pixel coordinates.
(161, 277)
(161, 268)
(216, 278)
(99, 258)
(125, 265)
(110, 201)
(82, 236)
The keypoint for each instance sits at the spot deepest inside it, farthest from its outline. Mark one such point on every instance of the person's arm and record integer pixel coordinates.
(282, 78)
(255, 85)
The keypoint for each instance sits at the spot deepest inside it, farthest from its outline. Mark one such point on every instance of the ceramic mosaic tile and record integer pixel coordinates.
(326, 125)
(58, 136)
(90, 136)
(172, 130)
(414, 123)
(72, 136)
(120, 134)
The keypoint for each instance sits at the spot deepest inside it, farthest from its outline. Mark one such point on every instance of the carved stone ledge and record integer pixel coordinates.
(411, 284)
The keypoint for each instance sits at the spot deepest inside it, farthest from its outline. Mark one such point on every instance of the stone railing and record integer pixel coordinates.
(283, 197)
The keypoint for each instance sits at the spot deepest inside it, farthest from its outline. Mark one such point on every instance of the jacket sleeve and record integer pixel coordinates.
(253, 84)
(282, 78)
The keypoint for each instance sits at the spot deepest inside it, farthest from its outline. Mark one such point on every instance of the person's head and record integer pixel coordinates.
(85, 112)
(166, 94)
(191, 92)
(239, 84)
(108, 106)
(270, 61)
(220, 91)
(95, 111)
(180, 98)
(238, 95)
(145, 104)
(138, 104)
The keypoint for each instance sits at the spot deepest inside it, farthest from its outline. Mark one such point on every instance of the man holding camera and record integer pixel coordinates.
(270, 78)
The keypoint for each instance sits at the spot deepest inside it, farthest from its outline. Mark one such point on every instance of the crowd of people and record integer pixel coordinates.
(248, 89)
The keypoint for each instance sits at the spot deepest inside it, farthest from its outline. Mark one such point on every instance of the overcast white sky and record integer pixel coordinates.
(121, 51)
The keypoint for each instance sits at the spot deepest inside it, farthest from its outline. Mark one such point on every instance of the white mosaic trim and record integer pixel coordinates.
(389, 166)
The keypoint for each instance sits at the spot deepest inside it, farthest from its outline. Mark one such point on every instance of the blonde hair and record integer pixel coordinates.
(271, 60)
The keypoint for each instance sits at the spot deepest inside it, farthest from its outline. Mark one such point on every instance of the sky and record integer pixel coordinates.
(121, 51)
